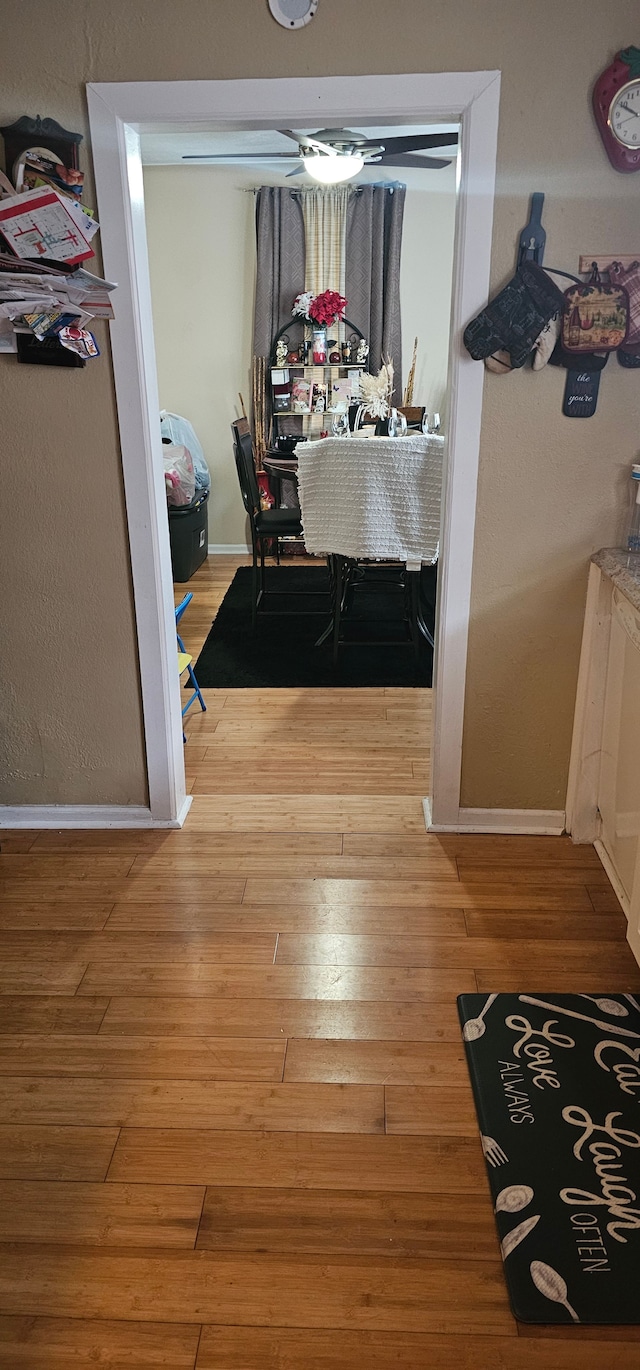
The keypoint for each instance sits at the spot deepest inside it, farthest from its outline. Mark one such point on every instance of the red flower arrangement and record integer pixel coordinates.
(323, 310)
(327, 308)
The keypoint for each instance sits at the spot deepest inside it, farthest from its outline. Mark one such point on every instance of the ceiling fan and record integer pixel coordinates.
(333, 155)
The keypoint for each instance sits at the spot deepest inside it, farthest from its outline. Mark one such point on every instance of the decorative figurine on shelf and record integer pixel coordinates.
(335, 358)
(282, 348)
(346, 352)
(362, 352)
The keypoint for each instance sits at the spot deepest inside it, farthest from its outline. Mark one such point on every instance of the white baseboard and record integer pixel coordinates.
(538, 822)
(618, 888)
(87, 816)
(229, 549)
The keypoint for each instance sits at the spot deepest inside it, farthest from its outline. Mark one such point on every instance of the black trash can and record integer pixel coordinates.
(189, 536)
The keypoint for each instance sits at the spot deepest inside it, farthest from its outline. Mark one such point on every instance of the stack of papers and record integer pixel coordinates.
(38, 298)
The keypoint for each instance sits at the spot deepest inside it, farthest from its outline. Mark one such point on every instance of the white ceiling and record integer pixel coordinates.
(169, 147)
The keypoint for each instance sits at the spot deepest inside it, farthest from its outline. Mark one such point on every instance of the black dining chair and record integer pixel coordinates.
(267, 525)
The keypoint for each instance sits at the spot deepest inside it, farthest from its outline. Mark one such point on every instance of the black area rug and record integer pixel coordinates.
(281, 652)
(556, 1080)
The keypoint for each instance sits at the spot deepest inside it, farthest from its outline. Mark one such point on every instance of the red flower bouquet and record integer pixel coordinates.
(327, 308)
(322, 310)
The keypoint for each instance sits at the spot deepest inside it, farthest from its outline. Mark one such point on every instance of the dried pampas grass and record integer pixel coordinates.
(376, 391)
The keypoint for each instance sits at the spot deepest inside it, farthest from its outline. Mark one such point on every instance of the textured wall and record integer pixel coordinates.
(550, 488)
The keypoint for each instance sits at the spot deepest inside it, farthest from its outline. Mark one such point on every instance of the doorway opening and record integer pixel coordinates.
(120, 118)
(254, 233)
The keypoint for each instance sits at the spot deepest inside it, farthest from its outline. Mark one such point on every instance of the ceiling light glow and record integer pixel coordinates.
(329, 170)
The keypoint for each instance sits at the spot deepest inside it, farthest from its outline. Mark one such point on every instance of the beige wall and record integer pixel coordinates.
(550, 488)
(426, 267)
(203, 313)
(203, 302)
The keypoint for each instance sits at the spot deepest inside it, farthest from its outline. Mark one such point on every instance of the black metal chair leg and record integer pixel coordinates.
(254, 585)
(337, 609)
(261, 570)
(331, 568)
(414, 593)
(426, 632)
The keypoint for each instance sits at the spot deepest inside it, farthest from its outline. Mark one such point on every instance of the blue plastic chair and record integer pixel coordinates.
(184, 662)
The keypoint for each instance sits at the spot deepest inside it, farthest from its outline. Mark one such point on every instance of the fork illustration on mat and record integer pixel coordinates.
(492, 1152)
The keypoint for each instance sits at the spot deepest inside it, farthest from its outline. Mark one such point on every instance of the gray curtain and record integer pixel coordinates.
(280, 268)
(374, 240)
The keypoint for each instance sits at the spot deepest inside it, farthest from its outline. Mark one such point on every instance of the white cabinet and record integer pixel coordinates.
(603, 799)
(619, 790)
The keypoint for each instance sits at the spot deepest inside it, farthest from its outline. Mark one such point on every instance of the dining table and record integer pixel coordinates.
(368, 500)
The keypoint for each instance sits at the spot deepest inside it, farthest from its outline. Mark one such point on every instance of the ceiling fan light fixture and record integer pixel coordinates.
(330, 170)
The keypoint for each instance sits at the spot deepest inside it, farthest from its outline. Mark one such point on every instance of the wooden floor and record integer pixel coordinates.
(236, 1129)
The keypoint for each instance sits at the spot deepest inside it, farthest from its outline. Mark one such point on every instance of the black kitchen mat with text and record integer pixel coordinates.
(556, 1082)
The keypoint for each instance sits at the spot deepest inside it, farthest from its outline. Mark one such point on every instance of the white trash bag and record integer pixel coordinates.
(179, 475)
(180, 431)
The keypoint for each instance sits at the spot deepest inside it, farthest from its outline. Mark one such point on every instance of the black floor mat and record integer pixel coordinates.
(556, 1082)
(281, 652)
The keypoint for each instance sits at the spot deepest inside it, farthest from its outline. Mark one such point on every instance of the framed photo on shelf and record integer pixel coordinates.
(301, 395)
(340, 394)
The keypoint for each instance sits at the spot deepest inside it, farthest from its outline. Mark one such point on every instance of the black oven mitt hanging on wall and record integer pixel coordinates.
(515, 318)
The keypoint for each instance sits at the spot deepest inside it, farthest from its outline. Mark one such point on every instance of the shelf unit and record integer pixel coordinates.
(325, 375)
(302, 421)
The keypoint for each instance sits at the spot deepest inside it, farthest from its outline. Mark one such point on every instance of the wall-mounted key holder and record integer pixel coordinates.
(533, 238)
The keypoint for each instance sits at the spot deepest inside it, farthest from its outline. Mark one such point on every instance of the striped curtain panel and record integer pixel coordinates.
(324, 211)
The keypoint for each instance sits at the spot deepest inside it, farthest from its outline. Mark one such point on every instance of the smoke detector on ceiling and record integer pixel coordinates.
(293, 14)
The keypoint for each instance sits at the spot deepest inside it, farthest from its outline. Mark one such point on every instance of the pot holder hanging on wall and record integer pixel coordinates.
(595, 316)
(515, 318)
(629, 355)
(629, 358)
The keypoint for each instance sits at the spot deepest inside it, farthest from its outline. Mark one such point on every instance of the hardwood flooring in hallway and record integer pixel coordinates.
(236, 1128)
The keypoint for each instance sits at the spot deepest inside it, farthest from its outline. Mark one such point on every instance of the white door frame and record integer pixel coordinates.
(118, 113)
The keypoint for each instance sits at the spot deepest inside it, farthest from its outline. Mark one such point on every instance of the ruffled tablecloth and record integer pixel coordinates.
(373, 497)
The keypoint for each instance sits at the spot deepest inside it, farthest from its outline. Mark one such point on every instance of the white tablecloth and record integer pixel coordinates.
(374, 497)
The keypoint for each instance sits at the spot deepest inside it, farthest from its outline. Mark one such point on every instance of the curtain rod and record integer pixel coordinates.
(307, 190)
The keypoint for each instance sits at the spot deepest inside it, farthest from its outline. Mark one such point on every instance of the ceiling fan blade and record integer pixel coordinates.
(239, 156)
(288, 133)
(414, 143)
(397, 159)
(297, 171)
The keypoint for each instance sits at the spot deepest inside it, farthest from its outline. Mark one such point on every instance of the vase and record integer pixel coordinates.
(319, 346)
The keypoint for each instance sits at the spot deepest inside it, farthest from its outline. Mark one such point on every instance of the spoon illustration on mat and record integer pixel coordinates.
(608, 1006)
(513, 1198)
(549, 1283)
(476, 1027)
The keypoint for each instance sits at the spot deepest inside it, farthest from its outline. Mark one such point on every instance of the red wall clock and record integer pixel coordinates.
(616, 104)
